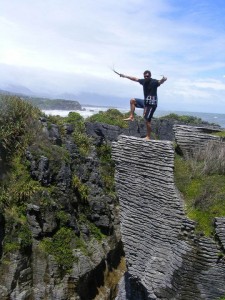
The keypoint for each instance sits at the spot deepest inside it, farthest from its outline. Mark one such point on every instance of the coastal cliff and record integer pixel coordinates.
(60, 228)
(59, 225)
(165, 258)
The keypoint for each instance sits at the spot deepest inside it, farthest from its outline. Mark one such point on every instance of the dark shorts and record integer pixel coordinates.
(139, 103)
(149, 111)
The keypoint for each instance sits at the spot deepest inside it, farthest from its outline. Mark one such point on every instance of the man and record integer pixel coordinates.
(150, 98)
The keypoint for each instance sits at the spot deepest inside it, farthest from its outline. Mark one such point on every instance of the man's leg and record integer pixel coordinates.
(132, 109)
(134, 102)
(148, 114)
(149, 130)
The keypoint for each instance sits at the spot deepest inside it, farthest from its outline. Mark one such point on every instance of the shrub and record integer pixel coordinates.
(107, 167)
(58, 120)
(17, 234)
(18, 187)
(83, 142)
(184, 119)
(111, 117)
(60, 246)
(82, 189)
(9, 247)
(74, 118)
(80, 137)
(63, 217)
(95, 231)
(25, 236)
(18, 125)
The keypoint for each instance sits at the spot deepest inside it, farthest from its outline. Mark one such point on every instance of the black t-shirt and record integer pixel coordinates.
(149, 86)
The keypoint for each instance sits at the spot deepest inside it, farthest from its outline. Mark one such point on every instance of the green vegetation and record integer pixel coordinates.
(111, 116)
(18, 125)
(21, 237)
(76, 119)
(57, 120)
(94, 230)
(22, 187)
(25, 236)
(201, 181)
(56, 155)
(19, 187)
(82, 246)
(21, 130)
(184, 119)
(63, 217)
(80, 137)
(10, 246)
(220, 133)
(60, 246)
(107, 168)
(81, 188)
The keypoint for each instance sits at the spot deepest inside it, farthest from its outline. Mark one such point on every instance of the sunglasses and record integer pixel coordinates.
(146, 76)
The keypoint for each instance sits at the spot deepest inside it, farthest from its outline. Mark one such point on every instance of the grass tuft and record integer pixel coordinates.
(201, 181)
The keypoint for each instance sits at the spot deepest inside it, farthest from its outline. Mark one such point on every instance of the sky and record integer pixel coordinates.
(57, 47)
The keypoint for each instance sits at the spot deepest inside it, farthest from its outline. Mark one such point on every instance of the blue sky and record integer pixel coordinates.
(56, 46)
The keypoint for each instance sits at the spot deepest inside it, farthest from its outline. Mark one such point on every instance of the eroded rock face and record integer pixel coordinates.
(165, 259)
(220, 230)
(191, 138)
(161, 128)
(30, 271)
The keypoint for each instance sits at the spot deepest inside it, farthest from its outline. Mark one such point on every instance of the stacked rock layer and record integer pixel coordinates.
(165, 259)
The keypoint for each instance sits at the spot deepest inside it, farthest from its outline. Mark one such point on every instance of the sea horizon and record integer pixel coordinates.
(87, 111)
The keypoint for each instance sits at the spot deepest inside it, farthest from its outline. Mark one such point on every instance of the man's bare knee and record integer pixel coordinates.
(132, 101)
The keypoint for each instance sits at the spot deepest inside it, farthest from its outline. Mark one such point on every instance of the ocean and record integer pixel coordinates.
(88, 111)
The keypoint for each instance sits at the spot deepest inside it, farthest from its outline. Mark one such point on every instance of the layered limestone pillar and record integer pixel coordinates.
(165, 259)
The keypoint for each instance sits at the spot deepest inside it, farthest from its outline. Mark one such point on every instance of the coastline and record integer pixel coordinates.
(90, 110)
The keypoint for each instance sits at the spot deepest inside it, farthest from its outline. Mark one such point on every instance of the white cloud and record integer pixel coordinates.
(69, 46)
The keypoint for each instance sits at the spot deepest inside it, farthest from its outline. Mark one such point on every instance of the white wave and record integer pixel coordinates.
(86, 112)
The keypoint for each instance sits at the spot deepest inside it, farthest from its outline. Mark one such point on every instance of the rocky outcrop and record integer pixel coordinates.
(165, 258)
(36, 276)
(220, 230)
(104, 132)
(161, 128)
(191, 138)
(67, 195)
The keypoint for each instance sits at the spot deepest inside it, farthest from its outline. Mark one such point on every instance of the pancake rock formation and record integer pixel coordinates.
(165, 258)
(191, 138)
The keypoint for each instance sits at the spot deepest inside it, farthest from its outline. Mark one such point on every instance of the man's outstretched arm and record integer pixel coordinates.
(129, 77)
(161, 81)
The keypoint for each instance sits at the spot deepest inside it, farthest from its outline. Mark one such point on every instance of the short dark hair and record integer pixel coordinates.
(147, 72)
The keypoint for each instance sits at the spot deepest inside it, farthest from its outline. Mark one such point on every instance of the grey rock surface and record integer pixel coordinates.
(220, 230)
(165, 259)
(162, 129)
(191, 138)
(29, 270)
